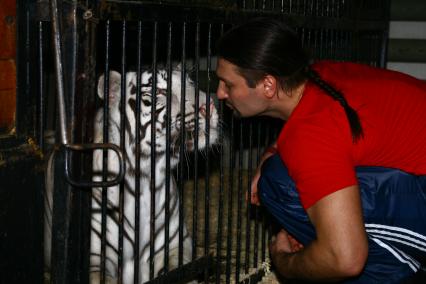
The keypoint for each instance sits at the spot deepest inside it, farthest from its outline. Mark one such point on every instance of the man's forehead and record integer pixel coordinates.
(224, 66)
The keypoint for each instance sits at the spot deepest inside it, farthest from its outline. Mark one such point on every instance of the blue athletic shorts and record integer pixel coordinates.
(394, 209)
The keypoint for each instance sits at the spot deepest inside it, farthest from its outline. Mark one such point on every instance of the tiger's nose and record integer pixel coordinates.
(203, 109)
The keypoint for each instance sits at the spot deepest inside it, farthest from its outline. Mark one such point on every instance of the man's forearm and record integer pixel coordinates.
(309, 263)
(340, 249)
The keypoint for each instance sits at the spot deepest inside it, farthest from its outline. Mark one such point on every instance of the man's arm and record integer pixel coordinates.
(341, 247)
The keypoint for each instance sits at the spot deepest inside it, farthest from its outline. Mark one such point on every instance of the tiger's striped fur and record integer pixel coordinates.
(145, 170)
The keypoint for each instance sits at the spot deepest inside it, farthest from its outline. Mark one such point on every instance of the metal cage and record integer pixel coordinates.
(64, 46)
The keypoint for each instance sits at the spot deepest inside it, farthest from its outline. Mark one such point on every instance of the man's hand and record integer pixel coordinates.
(283, 242)
(254, 198)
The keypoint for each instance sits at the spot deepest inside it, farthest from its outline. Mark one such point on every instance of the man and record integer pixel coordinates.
(340, 221)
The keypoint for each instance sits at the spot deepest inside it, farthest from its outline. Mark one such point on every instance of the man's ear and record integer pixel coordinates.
(269, 86)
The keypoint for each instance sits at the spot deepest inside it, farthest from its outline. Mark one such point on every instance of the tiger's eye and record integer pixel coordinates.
(133, 90)
(146, 102)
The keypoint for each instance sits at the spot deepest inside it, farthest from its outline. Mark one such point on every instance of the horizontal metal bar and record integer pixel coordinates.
(130, 10)
(187, 272)
(40, 11)
(90, 147)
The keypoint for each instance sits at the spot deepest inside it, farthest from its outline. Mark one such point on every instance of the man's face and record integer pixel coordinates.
(233, 88)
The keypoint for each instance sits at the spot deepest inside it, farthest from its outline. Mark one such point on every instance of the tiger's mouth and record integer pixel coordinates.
(186, 139)
(192, 140)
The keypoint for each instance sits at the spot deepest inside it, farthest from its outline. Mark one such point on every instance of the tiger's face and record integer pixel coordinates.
(179, 107)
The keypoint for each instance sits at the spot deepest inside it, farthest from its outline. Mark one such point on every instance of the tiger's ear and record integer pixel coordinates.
(114, 85)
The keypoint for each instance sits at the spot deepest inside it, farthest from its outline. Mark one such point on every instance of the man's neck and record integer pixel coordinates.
(286, 101)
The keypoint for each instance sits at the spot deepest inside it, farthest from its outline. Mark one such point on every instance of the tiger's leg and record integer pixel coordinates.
(186, 254)
(173, 253)
(111, 257)
(95, 262)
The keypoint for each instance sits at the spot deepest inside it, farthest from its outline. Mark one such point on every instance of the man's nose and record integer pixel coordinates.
(220, 93)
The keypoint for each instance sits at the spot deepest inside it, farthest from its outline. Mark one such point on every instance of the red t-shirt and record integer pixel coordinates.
(316, 142)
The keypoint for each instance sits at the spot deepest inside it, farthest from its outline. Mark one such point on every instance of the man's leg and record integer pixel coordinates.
(394, 209)
(387, 212)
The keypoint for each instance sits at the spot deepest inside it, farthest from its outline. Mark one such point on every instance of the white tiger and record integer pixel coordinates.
(145, 170)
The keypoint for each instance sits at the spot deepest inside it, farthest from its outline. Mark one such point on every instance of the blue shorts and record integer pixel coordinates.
(394, 209)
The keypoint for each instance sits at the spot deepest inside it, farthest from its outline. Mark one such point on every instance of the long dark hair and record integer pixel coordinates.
(269, 46)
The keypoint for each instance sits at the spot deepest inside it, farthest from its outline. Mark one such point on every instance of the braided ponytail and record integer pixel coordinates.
(351, 114)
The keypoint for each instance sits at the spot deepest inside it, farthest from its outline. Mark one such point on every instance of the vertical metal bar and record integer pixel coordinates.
(168, 157)
(59, 70)
(239, 202)
(327, 43)
(332, 43)
(60, 223)
(319, 8)
(350, 45)
(301, 33)
(221, 189)
(230, 205)
(309, 40)
(264, 232)
(320, 43)
(340, 48)
(248, 201)
(339, 8)
(317, 52)
(372, 56)
(328, 10)
(136, 248)
(182, 146)
(153, 146)
(384, 36)
(197, 95)
(207, 172)
(257, 209)
(122, 147)
(70, 39)
(42, 102)
(105, 153)
(305, 8)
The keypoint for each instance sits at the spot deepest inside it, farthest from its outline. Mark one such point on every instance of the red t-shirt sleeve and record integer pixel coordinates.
(317, 153)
